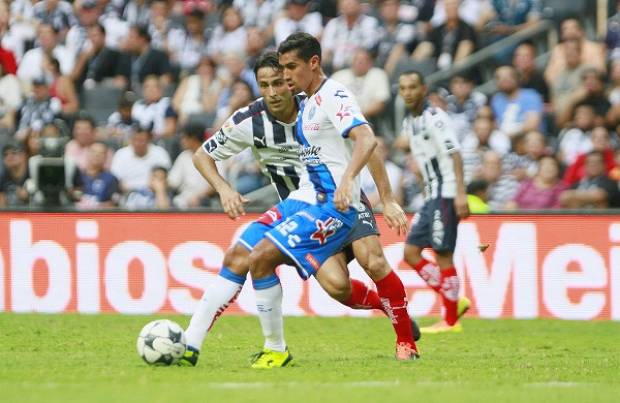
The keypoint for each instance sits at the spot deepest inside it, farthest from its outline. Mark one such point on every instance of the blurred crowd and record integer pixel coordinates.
(173, 71)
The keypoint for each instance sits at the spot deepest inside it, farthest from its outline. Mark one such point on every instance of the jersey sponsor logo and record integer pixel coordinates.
(310, 155)
(210, 145)
(341, 94)
(220, 137)
(343, 112)
(312, 260)
(311, 127)
(261, 140)
(270, 216)
(325, 229)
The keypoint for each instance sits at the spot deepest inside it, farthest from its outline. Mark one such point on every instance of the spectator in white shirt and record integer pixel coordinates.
(132, 165)
(155, 110)
(349, 31)
(297, 18)
(229, 36)
(31, 65)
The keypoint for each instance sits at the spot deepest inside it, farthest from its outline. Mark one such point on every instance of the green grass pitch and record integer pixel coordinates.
(76, 358)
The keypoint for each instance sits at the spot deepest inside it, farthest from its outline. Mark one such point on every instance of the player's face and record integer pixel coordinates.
(411, 90)
(274, 89)
(298, 73)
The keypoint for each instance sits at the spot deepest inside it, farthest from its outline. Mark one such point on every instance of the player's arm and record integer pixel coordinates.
(460, 201)
(365, 143)
(393, 213)
(232, 201)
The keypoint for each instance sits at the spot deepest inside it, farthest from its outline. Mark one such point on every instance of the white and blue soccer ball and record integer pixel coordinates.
(161, 342)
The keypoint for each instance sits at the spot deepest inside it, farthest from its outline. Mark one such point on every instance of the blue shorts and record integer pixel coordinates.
(309, 237)
(435, 225)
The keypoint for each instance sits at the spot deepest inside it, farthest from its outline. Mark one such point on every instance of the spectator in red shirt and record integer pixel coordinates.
(600, 142)
(7, 61)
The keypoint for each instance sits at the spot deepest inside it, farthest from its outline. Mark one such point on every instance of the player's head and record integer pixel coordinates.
(412, 89)
(271, 84)
(300, 56)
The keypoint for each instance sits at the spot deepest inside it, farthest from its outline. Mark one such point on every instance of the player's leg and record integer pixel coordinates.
(390, 289)
(264, 259)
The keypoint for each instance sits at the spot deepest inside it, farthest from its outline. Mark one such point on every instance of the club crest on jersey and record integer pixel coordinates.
(343, 112)
(341, 94)
(310, 155)
(325, 229)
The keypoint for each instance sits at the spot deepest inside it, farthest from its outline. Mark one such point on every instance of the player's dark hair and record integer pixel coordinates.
(477, 186)
(304, 44)
(414, 73)
(267, 59)
(83, 116)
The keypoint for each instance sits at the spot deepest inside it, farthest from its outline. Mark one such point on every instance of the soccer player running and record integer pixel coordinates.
(336, 143)
(267, 127)
(434, 145)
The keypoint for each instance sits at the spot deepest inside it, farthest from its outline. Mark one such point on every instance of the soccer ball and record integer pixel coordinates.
(161, 342)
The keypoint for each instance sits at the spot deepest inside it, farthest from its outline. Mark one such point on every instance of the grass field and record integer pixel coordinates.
(73, 358)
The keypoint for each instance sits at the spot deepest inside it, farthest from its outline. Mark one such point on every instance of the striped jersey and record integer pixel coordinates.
(323, 126)
(272, 142)
(432, 139)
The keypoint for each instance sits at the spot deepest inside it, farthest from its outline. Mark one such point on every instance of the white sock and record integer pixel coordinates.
(269, 305)
(216, 298)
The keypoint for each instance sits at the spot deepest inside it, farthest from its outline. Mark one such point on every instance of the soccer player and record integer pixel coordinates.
(336, 144)
(267, 126)
(434, 145)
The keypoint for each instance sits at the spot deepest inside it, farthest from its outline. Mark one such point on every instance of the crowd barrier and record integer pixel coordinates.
(553, 266)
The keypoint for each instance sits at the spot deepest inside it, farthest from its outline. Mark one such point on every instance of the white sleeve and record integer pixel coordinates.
(443, 131)
(342, 109)
(229, 141)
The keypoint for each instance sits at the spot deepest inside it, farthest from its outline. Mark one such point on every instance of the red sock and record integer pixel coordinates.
(363, 297)
(450, 293)
(394, 300)
(429, 273)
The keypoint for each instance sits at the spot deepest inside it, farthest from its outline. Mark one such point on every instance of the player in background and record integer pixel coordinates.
(434, 145)
(267, 126)
(336, 144)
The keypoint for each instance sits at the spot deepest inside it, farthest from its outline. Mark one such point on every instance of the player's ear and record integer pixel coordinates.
(315, 62)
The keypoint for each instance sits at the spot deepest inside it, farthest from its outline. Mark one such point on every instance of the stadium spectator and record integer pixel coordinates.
(600, 142)
(229, 36)
(477, 196)
(10, 101)
(569, 79)
(12, 181)
(612, 37)
(482, 138)
(575, 140)
(142, 60)
(88, 13)
(190, 186)
(595, 189)
(259, 13)
(160, 26)
(517, 110)
(137, 12)
(155, 111)
(186, 47)
(197, 95)
(84, 136)
(592, 53)
(524, 60)
(97, 62)
(449, 43)
(7, 57)
(502, 185)
(297, 18)
(528, 149)
(255, 46)
(395, 35)
(370, 85)
(472, 12)
(95, 186)
(58, 14)
(350, 30)
(543, 190)
(240, 96)
(507, 17)
(614, 93)
(31, 65)
(234, 69)
(17, 26)
(38, 109)
(60, 86)
(394, 174)
(463, 103)
(156, 195)
(132, 164)
(121, 125)
(591, 92)
(411, 185)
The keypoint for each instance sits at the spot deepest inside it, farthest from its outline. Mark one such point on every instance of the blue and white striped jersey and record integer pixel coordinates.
(432, 139)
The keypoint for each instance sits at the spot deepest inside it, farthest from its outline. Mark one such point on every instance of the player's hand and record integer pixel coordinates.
(461, 207)
(395, 217)
(233, 202)
(342, 196)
